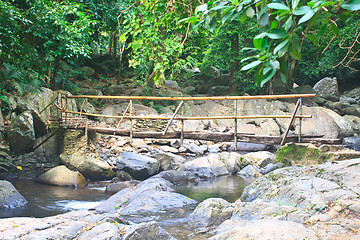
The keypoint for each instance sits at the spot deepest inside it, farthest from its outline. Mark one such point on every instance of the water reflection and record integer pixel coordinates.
(47, 200)
(226, 187)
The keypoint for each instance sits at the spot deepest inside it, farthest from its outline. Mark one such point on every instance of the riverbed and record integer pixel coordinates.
(47, 200)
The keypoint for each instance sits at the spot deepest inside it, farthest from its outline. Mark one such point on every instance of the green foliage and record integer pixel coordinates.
(36, 35)
(281, 29)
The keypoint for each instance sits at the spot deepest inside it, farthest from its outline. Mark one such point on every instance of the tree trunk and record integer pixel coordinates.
(234, 61)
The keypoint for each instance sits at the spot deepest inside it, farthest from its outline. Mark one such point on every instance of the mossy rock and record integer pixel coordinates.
(300, 155)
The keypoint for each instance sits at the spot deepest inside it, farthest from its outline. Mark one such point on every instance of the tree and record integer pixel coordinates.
(283, 26)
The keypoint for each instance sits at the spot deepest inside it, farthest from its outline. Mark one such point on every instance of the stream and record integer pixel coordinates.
(47, 200)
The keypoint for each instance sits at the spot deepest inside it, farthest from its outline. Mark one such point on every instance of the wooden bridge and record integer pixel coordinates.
(80, 120)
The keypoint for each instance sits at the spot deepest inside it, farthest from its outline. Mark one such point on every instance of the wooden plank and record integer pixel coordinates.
(211, 136)
(196, 98)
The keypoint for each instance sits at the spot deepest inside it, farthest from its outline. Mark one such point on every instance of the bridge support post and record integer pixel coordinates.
(300, 120)
(235, 127)
(131, 120)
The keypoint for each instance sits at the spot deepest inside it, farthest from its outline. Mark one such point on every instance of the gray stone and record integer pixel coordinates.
(10, 197)
(250, 171)
(267, 229)
(173, 176)
(90, 167)
(352, 143)
(199, 150)
(261, 159)
(153, 196)
(114, 90)
(168, 149)
(115, 187)
(213, 148)
(148, 231)
(210, 213)
(307, 187)
(21, 132)
(206, 167)
(103, 231)
(327, 88)
(271, 167)
(138, 166)
(62, 176)
(172, 84)
(169, 161)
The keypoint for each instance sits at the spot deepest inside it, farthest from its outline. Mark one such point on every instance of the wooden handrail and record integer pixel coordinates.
(195, 98)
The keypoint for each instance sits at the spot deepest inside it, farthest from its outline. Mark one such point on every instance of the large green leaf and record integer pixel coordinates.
(278, 6)
(306, 17)
(352, 5)
(268, 77)
(258, 43)
(294, 4)
(281, 46)
(276, 33)
(301, 10)
(251, 65)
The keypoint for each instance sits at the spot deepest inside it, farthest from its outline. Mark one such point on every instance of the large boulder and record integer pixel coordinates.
(209, 213)
(151, 197)
(92, 168)
(206, 167)
(327, 88)
(21, 132)
(138, 166)
(266, 229)
(310, 187)
(62, 176)
(10, 197)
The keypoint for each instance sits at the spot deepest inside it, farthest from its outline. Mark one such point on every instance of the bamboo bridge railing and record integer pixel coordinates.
(62, 103)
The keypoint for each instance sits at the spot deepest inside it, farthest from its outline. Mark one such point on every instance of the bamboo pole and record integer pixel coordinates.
(131, 120)
(172, 117)
(291, 121)
(188, 118)
(235, 120)
(300, 121)
(196, 98)
(81, 109)
(182, 127)
(66, 102)
(122, 117)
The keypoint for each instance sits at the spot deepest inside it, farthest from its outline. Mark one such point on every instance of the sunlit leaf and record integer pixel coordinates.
(278, 6)
(281, 46)
(294, 3)
(306, 17)
(250, 65)
(352, 5)
(301, 10)
(250, 12)
(258, 43)
(276, 33)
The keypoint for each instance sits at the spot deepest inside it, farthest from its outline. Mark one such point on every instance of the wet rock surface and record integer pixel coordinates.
(10, 197)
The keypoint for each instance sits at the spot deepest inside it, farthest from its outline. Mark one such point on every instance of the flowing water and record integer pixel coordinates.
(47, 200)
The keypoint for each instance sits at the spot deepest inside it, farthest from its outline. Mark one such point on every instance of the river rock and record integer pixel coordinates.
(198, 150)
(21, 132)
(209, 213)
(152, 196)
(206, 167)
(138, 166)
(115, 187)
(169, 161)
(300, 154)
(233, 161)
(308, 187)
(267, 229)
(352, 143)
(327, 88)
(103, 231)
(261, 159)
(10, 197)
(62, 176)
(90, 167)
(148, 231)
(250, 171)
(173, 176)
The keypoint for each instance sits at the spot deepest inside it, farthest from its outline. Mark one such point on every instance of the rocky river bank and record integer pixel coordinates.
(299, 191)
(310, 202)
